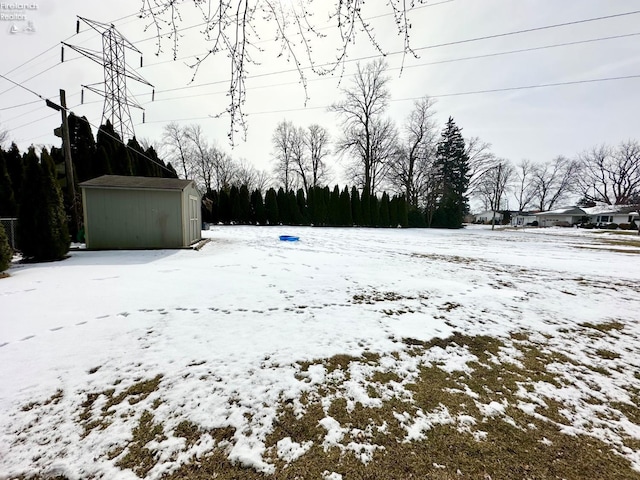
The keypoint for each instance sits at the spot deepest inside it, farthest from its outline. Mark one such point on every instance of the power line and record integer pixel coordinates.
(436, 62)
(443, 95)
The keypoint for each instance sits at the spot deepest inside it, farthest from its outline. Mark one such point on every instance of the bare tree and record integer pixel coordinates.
(553, 181)
(283, 151)
(246, 174)
(523, 188)
(361, 112)
(262, 180)
(610, 176)
(317, 140)
(412, 168)
(203, 164)
(225, 168)
(493, 186)
(176, 146)
(234, 28)
(300, 160)
(481, 160)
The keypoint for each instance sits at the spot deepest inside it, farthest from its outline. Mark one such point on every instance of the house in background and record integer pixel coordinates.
(487, 216)
(607, 214)
(523, 219)
(562, 217)
(122, 212)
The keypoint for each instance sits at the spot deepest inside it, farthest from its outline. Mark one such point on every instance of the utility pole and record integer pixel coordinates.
(63, 132)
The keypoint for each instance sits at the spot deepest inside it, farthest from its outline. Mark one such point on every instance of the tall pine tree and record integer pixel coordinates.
(452, 165)
(42, 225)
(8, 206)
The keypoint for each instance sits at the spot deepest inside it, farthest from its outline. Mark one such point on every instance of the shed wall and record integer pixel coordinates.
(191, 215)
(123, 219)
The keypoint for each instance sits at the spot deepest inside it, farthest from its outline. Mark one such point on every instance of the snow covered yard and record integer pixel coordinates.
(354, 353)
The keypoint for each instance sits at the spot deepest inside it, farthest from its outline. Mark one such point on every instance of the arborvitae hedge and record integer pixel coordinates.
(5, 250)
(42, 224)
(321, 207)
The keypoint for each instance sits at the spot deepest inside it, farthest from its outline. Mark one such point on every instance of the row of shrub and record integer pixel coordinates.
(610, 226)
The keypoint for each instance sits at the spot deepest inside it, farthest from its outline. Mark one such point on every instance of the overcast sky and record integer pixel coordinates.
(534, 123)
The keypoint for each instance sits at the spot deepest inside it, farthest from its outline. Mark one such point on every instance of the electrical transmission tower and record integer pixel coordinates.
(117, 98)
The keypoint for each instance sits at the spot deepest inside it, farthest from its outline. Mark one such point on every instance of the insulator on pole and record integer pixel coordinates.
(62, 54)
(77, 26)
(143, 116)
(140, 61)
(153, 94)
(82, 96)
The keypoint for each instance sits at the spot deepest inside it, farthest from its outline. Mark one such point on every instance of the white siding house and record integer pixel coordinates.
(561, 217)
(606, 214)
(487, 216)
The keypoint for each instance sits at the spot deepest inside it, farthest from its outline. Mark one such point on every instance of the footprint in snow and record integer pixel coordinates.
(27, 338)
(81, 323)
(56, 329)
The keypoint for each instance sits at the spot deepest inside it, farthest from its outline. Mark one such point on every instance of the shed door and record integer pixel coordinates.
(194, 221)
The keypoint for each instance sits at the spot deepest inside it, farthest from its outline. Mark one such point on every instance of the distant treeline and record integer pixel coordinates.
(320, 207)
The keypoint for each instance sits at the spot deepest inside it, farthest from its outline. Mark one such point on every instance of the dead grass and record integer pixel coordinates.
(138, 457)
(514, 446)
(468, 442)
(135, 393)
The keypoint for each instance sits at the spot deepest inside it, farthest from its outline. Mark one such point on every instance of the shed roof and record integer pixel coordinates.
(136, 183)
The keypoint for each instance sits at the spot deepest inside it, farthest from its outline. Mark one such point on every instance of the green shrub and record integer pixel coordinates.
(624, 226)
(5, 250)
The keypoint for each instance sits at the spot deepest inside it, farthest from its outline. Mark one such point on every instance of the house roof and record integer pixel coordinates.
(564, 211)
(136, 183)
(611, 209)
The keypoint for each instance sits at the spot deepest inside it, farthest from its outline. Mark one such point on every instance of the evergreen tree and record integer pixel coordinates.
(234, 200)
(452, 165)
(5, 250)
(244, 216)
(335, 217)
(170, 172)
(283, 207)
(365, 202)
(403, 211)
(140, 166)
(214, 200)
(326, 202)
(42, 224)
(15, 168)
(384, 211)
(60, 240)
(259, 214)
(271, 207)
(101, 163)
(224, 207)
(302, 207)
(83, 148)
(356, 207)
(294, 211)
(394, 221)
(345, 208)
(375, 210)
(8, 206)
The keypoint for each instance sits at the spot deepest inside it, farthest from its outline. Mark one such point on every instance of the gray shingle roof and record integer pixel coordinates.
(136, 183)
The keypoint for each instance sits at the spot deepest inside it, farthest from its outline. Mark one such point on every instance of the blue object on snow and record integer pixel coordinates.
(289, 238)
